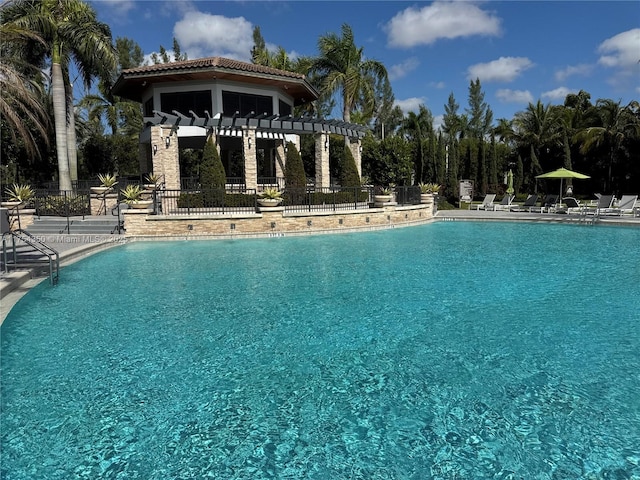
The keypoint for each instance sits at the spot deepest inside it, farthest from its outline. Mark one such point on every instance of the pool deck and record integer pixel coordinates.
(15, 284)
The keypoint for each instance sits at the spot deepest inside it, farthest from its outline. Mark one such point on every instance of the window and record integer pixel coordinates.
(148, 108)
(244, 103)
(284, 108)
(182, 102)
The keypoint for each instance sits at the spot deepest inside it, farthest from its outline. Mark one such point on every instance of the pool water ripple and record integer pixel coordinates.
(443, 351)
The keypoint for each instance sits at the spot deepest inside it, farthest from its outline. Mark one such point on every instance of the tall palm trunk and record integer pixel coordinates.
(72, 150)
(60, 120)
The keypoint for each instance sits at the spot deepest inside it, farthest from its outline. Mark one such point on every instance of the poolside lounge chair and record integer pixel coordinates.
(546, 205)
(487, 203)
(505, 203)
(570, 205)
(626, 206)
(528, 204)
(605, 202)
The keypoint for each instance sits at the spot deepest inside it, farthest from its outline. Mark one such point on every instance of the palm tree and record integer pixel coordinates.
(341, 66)
(615, 125)
(21, 86)
(536, 128)
(417, 128)
(73, 35)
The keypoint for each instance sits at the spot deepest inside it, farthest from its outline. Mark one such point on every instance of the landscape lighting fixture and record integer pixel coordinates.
(155, 148)
(167, 141)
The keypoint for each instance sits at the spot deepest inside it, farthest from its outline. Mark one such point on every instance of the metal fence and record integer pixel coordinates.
(326, 199)
(61, 203)
(234, 199)
(209, 201)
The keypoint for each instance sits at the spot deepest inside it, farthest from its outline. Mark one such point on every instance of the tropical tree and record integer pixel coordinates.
(341, 67)
(613, 126)
(416, 128)
(537, 131)
(116, 111)
(163, 55)
(453, 124)
(479, 114)
(73, 36)
(21, 85)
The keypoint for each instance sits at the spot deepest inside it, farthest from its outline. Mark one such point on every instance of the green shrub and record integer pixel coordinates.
(294, 177)
(212, 176)
(349, 176)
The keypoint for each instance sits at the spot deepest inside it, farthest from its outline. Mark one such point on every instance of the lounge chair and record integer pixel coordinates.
(570, 205)
(546, 205)
(487, 203)
(528, 204)
(505, 203)
(626, 206)
(605, 202)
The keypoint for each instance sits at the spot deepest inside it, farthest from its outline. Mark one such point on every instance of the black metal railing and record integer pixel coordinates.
(62, 203)
(326, 199)
(204, 201)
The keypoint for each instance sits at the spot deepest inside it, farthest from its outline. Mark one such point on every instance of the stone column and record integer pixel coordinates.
(281, 161)
(250, 159)
(166, 160)
(355, 145)
(322, 161)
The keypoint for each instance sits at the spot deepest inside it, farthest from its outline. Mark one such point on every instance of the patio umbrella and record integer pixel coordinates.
(510, 182)
(563, 173)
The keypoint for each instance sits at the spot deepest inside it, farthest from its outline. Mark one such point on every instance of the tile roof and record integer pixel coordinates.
(212, 62)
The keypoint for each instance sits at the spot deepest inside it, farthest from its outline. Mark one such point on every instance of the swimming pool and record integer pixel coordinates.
(449, 350)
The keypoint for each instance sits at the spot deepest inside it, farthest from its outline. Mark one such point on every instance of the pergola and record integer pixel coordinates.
(165, 131)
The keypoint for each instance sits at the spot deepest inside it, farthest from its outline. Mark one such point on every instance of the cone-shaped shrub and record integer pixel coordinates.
(294, 177)
(212, 176)
(349, 177)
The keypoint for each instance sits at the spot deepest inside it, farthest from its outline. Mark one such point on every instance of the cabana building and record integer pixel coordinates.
(247, 108)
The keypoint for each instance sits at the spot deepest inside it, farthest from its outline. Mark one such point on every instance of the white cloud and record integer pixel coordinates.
(438, 85)
(402, 69)
(622, 53)
(410, 104)
(424, 26)
(582, 70)
(559, 93)
(505, 69)
(119, 7)
(438, 121)
(514, 96)
(622, 50)
(205, 35)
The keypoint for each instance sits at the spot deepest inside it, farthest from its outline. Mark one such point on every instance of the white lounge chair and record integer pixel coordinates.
(626, 206)
(571, 205)
(528, 204)
(546, 205)
(505, 203)
(605, 202)
(487, 203)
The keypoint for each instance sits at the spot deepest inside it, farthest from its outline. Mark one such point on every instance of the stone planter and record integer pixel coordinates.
(269, 202)
(100, 190)
(15, 204)
(426, 198)
(382, 198)
(140, 204)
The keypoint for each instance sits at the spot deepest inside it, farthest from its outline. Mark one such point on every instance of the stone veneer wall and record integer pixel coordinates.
(272, 221)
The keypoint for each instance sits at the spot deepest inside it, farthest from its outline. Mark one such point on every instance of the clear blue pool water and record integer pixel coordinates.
(445, 351)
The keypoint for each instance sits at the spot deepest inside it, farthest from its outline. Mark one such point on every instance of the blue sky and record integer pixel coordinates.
(521, 51)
